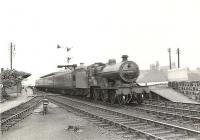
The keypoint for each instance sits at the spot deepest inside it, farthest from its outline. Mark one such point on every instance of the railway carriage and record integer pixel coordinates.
(112, 82)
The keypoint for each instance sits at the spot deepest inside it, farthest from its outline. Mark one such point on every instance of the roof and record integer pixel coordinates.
(25, 75)
(50, 74)
(54, 73)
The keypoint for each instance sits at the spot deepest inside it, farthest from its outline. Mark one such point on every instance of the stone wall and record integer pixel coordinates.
(189, 88)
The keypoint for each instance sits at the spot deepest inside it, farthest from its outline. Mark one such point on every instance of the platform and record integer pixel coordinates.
(17, 99)
(171, 94)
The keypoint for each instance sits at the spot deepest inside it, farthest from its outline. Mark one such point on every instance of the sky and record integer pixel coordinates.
(97, 30)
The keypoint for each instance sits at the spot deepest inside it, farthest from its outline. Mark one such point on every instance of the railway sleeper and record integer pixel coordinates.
(3, 129)
(195, 116)
(177, 136)
(163, 132)
(102, 124)
(7, 125)
(134, 123)
(11, 123)
(111, 127)
(134, 136)
(117, 129)
(169, 118)
(129, 136)
(122, 132)
(187, 122)
(17, 119)
(7, 115)
(123, 120)
(144, 127)
(153, 129)
(131, 122)
(138, 124)
(111, 116)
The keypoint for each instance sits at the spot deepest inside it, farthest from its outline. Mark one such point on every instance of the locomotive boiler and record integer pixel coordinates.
(111, 82)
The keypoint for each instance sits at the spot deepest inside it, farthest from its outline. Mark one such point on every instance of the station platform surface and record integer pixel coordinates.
(54, 126)
(171, 94)
(16, 99)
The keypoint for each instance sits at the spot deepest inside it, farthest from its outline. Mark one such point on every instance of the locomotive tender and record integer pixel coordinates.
(112, 82)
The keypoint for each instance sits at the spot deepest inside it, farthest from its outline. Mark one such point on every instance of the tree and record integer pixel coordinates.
(11, 78)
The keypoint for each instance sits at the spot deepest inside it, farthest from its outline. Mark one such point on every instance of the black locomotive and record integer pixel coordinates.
(112, 82)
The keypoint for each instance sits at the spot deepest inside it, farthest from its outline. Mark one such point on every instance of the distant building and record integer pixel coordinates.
(157, 66)
(166, 68)
(156, 73)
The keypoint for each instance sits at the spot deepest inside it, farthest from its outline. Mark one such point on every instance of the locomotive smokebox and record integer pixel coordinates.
(124, 58)
(127, 71)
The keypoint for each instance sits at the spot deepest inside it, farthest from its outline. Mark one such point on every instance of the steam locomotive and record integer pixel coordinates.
(111, 82)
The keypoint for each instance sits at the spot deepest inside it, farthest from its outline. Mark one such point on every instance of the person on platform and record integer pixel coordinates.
(45, 103)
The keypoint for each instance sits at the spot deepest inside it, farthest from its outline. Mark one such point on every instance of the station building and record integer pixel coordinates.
(17, 88)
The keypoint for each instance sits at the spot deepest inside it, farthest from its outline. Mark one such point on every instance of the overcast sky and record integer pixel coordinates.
(98, 30)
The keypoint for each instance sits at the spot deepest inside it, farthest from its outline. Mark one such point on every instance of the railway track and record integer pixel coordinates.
(186, 114)
(10, 117)
(129, 126)
(186, 107)
(180, 114)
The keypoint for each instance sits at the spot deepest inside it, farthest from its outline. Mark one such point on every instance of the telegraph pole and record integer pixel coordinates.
(170, 65)
(12, 49)
(178, 52)
(11, 52)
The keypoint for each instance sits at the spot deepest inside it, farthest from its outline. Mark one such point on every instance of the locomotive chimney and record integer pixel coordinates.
(124, 58)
